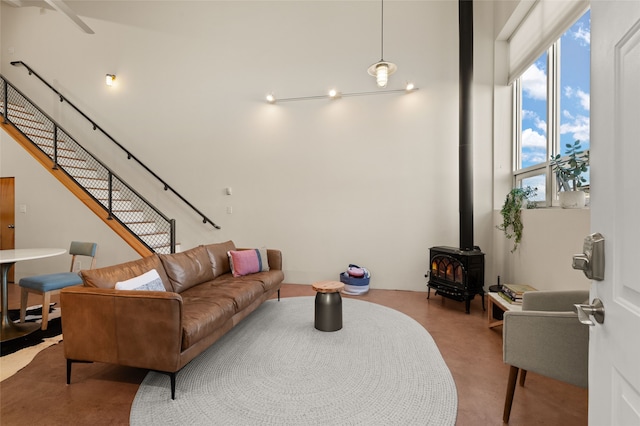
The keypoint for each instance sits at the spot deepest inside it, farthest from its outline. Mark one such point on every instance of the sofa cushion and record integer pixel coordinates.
(187, 268)
(249, 261)
(268, 280)
(203, 314)
(149, 281)
(108, 276)
(219, 258)
(242, 291)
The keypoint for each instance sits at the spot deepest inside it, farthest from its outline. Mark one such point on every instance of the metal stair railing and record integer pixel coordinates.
(130, 156)
(121, 202)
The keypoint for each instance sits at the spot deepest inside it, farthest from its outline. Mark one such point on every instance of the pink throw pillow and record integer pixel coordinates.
(244, 262)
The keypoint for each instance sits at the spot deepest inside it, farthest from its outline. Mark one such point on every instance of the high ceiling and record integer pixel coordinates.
(58, 5)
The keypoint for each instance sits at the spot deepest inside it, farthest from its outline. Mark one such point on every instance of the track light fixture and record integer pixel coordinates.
(336, 94)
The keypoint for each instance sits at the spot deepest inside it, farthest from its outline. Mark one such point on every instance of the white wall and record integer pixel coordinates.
(543, 259)
(369, 180)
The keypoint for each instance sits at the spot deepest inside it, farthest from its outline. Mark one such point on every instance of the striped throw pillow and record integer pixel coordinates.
(244, 262)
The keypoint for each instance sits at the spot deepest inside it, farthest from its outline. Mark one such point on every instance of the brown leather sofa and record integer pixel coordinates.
(162, 330)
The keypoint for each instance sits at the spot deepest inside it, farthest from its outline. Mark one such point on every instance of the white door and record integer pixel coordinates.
(614, 346)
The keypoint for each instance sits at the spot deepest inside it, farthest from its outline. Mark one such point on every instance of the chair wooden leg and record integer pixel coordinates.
(523, 375)
(24, 297)
(511, 388)
(46, 299)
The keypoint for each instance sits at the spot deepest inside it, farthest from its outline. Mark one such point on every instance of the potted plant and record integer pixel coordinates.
(511, 213)
(569, 175)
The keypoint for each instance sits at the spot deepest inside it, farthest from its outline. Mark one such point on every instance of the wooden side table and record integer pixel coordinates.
(328, 309)
(494, 299)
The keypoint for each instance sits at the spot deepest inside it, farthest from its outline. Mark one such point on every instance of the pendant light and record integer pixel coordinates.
(382, 69)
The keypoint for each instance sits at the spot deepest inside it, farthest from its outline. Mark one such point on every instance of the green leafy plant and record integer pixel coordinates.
(517, 199)
(569, 172)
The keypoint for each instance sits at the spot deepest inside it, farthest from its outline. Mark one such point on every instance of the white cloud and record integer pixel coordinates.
(578, 128)
(534, 83)
(531, 115)
(533, 139)
(577, 125)
(536, 156)
(534, 147)
(585, 99)
(582, 35)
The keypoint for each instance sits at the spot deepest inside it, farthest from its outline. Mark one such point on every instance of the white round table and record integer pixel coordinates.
(8, 258)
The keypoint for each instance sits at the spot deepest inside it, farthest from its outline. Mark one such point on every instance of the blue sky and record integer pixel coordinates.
(574, 92)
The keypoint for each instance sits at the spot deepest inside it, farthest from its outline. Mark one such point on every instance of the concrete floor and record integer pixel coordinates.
(102, 394)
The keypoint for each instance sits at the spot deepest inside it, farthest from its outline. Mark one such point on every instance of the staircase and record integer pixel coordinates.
(133, 218)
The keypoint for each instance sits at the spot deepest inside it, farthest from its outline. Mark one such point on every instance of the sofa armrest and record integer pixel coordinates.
(275, 259)
(554, 344)
(134, 328)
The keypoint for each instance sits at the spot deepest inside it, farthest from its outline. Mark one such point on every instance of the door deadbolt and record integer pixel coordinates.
(595, 310)
(591, 260)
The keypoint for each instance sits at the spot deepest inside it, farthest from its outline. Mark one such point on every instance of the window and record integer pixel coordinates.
(551, 105)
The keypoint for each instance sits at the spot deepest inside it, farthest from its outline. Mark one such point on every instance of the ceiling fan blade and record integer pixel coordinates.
(15, 3)
(61, 6)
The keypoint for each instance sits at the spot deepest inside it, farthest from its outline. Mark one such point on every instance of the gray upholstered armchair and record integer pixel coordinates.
(546, 338)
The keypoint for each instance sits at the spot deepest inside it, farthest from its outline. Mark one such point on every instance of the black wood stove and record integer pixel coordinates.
(456, 274)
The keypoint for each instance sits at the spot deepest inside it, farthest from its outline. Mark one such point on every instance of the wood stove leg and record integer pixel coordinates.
(511, 388)
(467, 306)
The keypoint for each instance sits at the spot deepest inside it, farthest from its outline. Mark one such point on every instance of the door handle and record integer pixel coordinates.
(595, 310)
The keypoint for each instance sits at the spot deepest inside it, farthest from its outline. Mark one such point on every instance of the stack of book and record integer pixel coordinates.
(512, 293)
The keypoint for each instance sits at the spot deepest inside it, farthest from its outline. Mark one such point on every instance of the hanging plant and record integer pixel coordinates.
(517, 199)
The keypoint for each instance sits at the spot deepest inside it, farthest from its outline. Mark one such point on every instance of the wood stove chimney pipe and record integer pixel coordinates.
(465, 23)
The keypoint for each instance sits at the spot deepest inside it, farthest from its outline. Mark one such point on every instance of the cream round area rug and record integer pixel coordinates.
(275, 368)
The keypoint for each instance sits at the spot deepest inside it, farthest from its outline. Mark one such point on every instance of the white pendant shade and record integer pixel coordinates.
(381, 71)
